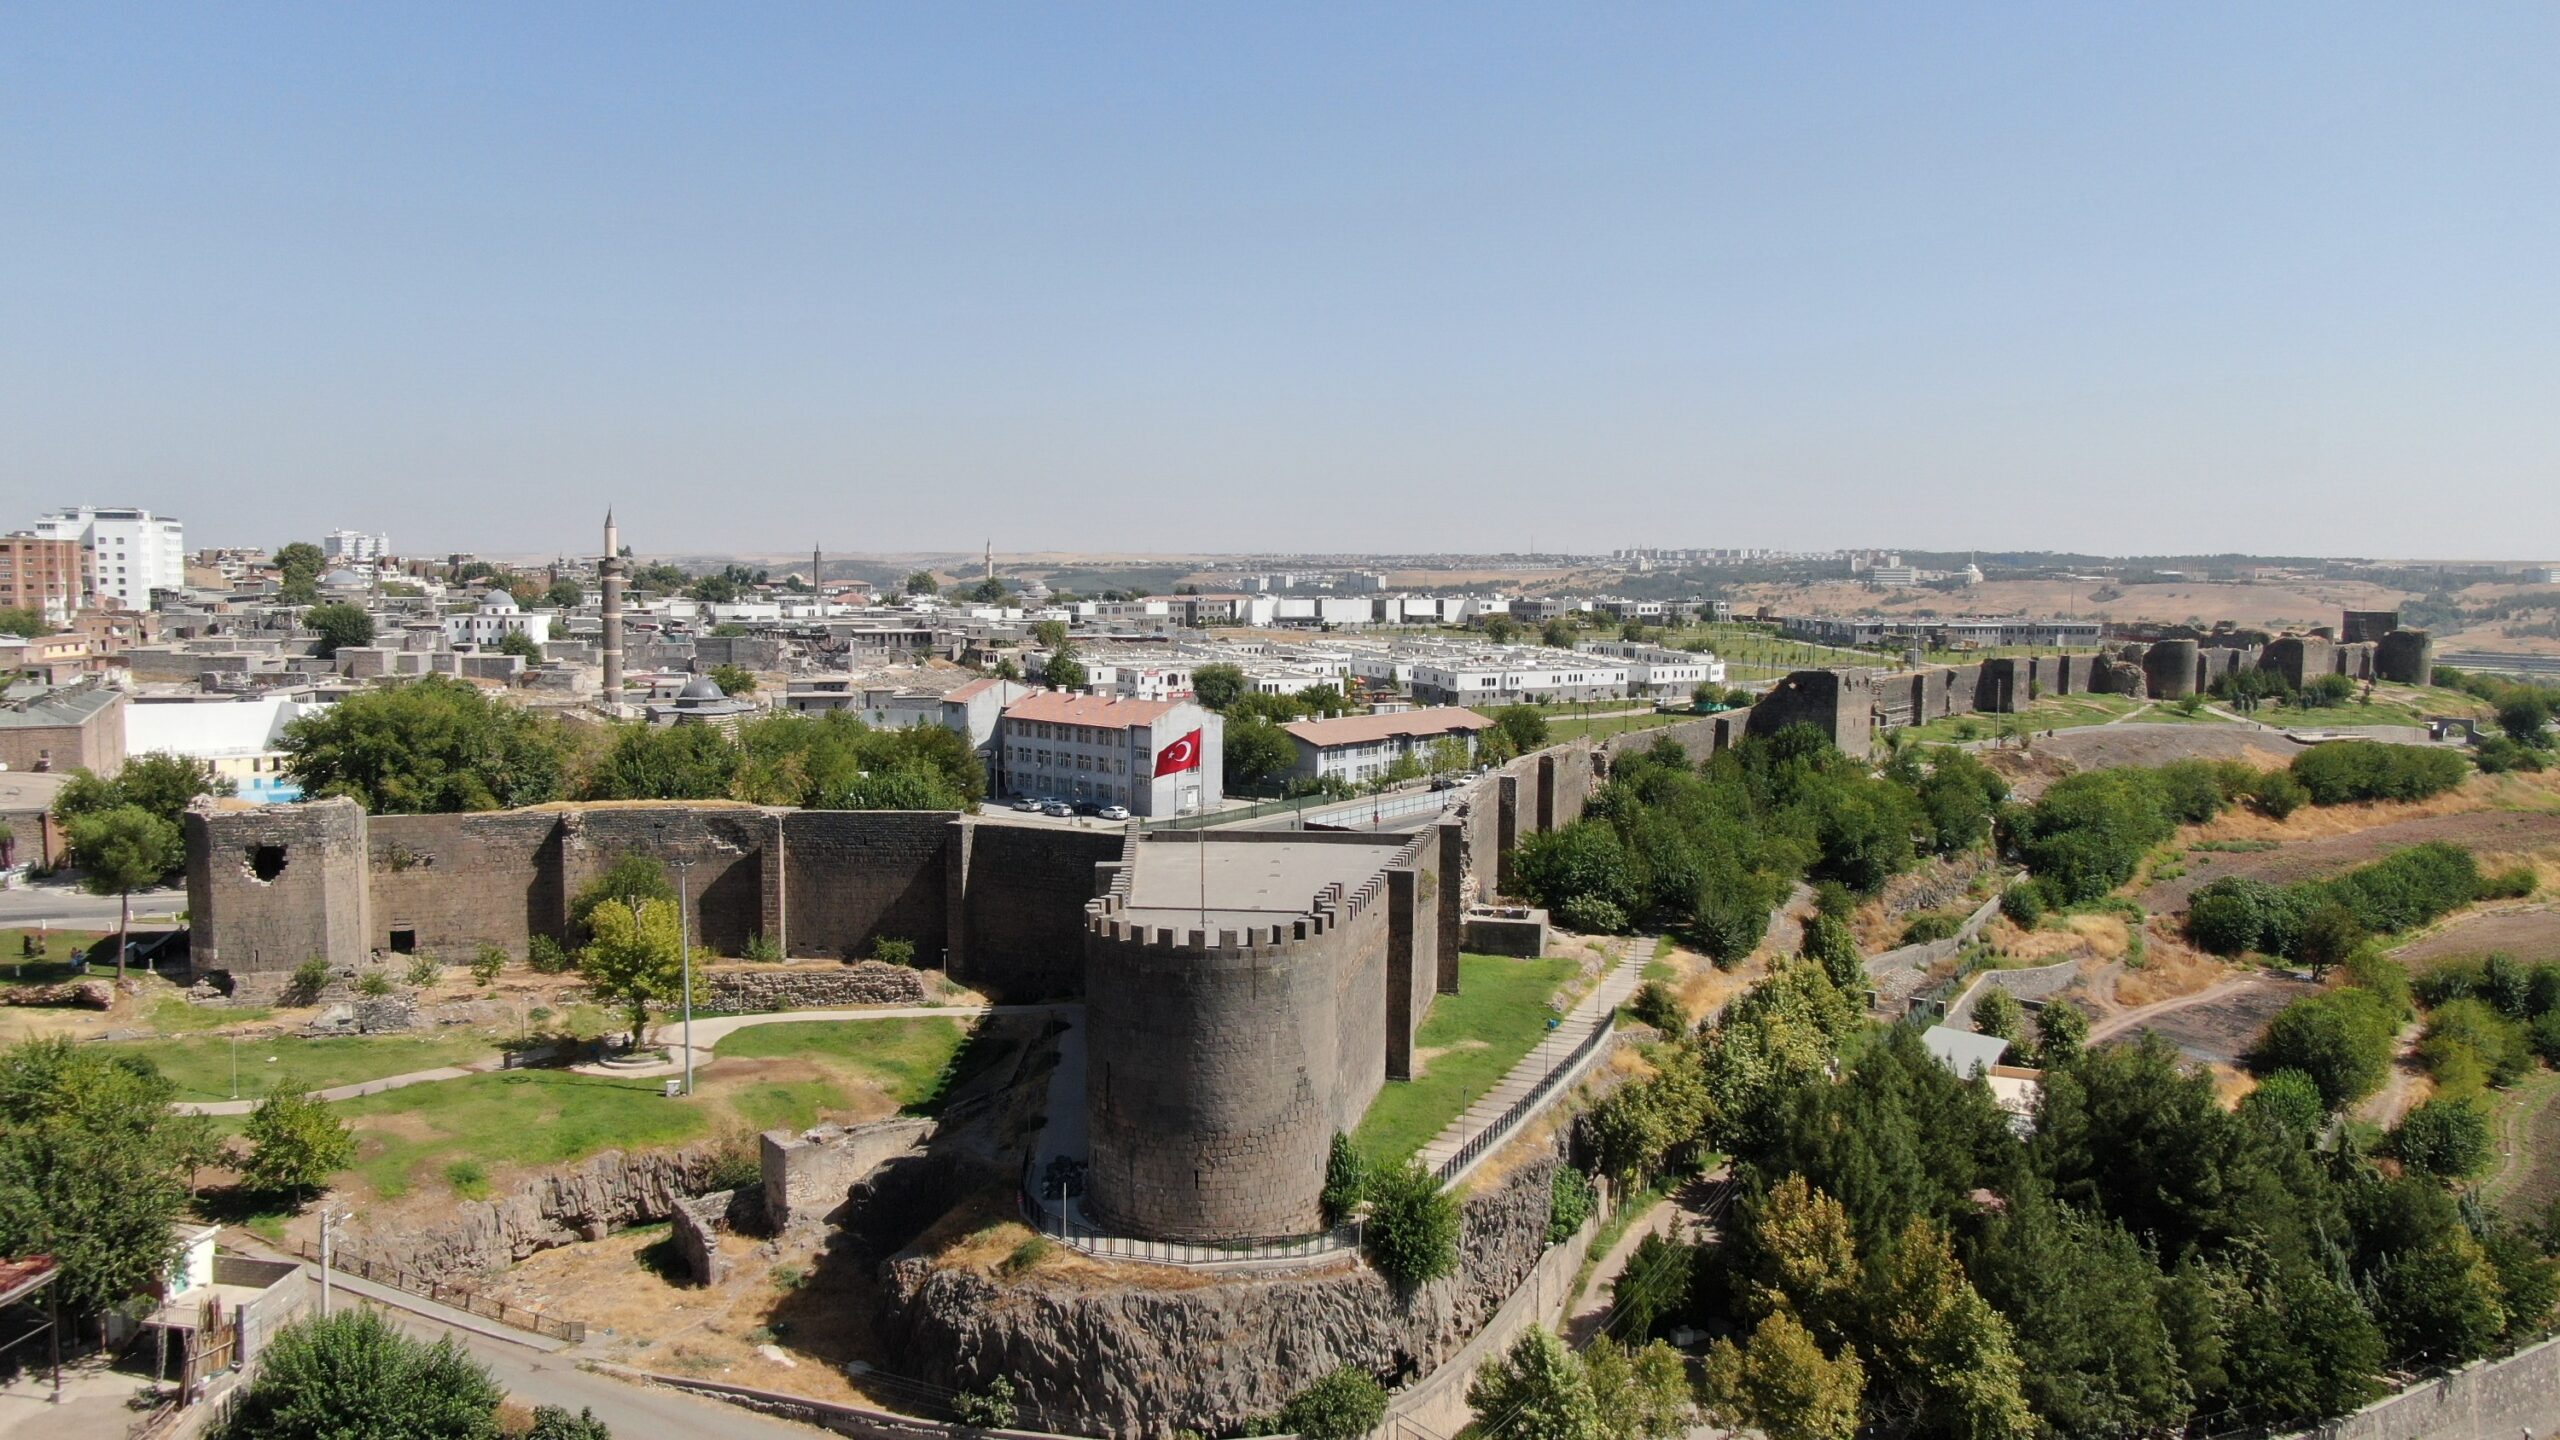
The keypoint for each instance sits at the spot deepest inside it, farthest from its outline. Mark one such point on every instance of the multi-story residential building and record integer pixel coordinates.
(78, 726)
(1157, 757)
(972, 710)
(51, 577)
(355, 547)
(131, 552)
(1357, 749)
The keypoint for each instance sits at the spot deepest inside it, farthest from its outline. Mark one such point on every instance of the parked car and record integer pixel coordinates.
(1029, 804)
(1115, 812)
(1059, 809)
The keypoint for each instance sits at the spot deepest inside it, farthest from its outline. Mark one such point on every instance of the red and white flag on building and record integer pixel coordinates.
(1181, 755)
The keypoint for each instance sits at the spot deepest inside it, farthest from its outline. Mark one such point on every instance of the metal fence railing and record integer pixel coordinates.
(1058, 1222)
(1491, 1137)
(445, 1292)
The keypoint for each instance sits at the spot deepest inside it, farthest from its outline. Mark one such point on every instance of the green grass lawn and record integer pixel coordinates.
(1498, 1014)
(51, 957)
(201, 1064)
(2052, 712)
(1559, 731)
(909, 1059)
(552, 1117)
(173, 1016)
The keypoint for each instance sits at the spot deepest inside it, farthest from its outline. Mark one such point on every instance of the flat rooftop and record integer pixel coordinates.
(1231, 885)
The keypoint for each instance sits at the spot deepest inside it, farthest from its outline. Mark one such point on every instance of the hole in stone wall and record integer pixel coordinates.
(404, 942)
(266, 862)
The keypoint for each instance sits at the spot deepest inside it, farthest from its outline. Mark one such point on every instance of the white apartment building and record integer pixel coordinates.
(1518, 673)
(1062, 746)
(1654, 670)
(355, 547)
(131, 552)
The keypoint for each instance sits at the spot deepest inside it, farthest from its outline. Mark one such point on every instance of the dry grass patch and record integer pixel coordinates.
(2171, 969)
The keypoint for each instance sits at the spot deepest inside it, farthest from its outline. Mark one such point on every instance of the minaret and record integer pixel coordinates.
(609, 572)
(991, 560)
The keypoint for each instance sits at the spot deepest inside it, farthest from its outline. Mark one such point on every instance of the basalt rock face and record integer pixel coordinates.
(813, 987)
(1110, 1358)
(86, 994)
(586, 1201)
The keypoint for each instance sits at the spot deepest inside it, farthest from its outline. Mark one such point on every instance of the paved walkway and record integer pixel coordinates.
(1614, 988)
(707, 1033)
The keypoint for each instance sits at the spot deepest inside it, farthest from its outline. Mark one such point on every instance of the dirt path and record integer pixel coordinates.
(1683, 1215)
(2117, 1024)
(2386, 1105)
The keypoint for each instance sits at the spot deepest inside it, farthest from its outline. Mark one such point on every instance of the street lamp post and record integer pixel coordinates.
(684, 943)
(330, 1218)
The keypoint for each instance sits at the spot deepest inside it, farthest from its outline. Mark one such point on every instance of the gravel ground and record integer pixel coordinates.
(2334, 854)
(2530, 934)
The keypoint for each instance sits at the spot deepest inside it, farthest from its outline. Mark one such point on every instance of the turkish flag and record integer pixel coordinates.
(1181, 755)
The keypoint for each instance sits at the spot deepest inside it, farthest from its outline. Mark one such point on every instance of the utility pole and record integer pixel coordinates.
(684, 942)
(330, 1218)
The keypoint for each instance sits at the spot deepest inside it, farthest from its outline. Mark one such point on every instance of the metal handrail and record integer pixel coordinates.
(445, 1292)
(1484, 1141)
(1074, 1233)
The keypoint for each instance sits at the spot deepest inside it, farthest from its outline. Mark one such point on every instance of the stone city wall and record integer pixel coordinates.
(1023, 907)
(271, 887)
(747, 989)
(850, 877)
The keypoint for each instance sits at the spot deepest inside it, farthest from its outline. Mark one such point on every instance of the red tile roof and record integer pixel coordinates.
(1369, 729)
(1062, 708)
(20, 1277)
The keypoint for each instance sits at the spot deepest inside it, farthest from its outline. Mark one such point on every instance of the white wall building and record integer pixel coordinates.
(1655, 670)
(355, 547)
(1518, 673)
(496, 617)
(1063, 746)
(1359, 748)
(243, 739)
(131, 552)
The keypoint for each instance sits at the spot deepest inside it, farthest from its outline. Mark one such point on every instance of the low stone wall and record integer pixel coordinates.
(1890, 973)
(2519, 1395)
(699, 1222)
(1520, 933)
(85, 994)
(809, 1177)
(587, 1201)
(758, 988)
(2035, 986)
(1103, 1357)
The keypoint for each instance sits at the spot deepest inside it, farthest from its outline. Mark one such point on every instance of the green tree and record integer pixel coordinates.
(564, 594)
(160, 782)
(352, 1375)
(1412, 1230)
(1324, 701)
(1640, 1394)
(1557, 633)
(2447, 1138)
(2288, 1102)
(1346, 1179)
(1999, 1013)
(2330, 933)
(1052, 636)
(298, 567)
(635, 959)
(2527, 720)
(89, 1170)
(1523, 725)
(1345, 1405)
(23, 622)
(2062, 1031)
(921, 582)
(520, 644)
(1941, 1351)
(2097, 1357)
(1779, 1383)
(733, 679)
(1256, 752)
(1217, 686)
(1064, 672)
(1499, 628)
(339, 626)
(120, 851)
(295, 1143)
(2342, 1039)
(1536, 1390)
(628, 882)
(428, 746)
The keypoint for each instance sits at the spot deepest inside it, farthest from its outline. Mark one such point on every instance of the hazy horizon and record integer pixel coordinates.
(1181, 281)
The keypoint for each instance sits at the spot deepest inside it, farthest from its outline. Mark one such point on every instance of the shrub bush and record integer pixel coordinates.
(1412, 1231)
(891, 950)
(2277, 794)
(2344, 771)
(1592, 915)
(2447, 1138)
(1655, 1005)
(2024, 905)
(308, 980)
(1569, 1201)
(2341, 1038)
(1346, 1175)
(423, 972)
(546, 956)
(2229, 916)
(488, 965)
(2510, 884)
(1345, 1405)
(1931, 925)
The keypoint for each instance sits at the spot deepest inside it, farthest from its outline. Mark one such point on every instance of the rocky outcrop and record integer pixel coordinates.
(586, 1201)
(1104, 1358)
(742, 988)
(370, 1015)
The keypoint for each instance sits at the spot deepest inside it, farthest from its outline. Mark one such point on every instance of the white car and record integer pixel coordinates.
(1115, 812)
(1028, 804)
(1058, 810)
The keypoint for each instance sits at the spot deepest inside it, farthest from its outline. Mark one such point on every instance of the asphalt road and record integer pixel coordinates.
(643, 1412)
(65, 905)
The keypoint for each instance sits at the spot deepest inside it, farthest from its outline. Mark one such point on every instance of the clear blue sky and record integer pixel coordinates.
(1227, 277)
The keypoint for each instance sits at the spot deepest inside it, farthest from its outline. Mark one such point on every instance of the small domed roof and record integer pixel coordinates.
(498, 600)
(700, 687)
(347, 579)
